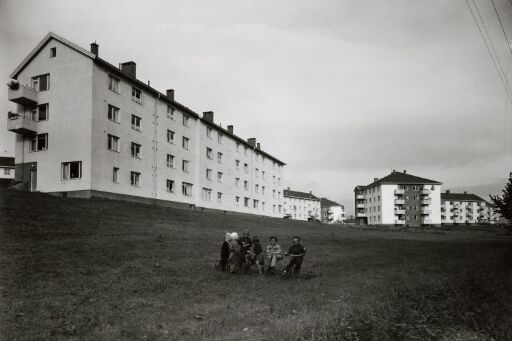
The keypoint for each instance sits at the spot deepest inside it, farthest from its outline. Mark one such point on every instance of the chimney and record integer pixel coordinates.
(252, 141)
(258, 145)
(170, 94)
(405, 171)
(230, 129)
(95, 48)
(208, 115)
(129, 68)
(375, 179)
(447, 191)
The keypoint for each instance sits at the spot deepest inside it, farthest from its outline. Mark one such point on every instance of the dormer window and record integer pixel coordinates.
(53, 52)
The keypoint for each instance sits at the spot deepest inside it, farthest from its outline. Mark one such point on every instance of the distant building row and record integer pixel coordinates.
(402, 199)
(306, 206)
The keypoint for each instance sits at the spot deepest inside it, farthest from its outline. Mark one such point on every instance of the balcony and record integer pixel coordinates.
(425, 201)
(21, 124)
(399, 202)
(399, 222)
(22, 95)
(399, 192)
(399, 211)
(360, 215)
(359, 205)
(360, 197)
(425, 211)
(425, 191)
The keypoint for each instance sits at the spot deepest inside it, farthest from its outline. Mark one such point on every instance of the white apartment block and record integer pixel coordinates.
(399, 199)
(88, 128)
(6, 168)
(466, 208)
(301, 205)
(332, 212)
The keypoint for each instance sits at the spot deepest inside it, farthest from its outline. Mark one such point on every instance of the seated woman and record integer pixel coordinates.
(273, 254)
(234, 254)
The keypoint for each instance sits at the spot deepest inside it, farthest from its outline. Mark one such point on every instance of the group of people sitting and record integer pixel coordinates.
(240, 254)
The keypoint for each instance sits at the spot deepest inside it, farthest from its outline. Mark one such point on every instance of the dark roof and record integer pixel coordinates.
(359, 188)
(301, 195)
(328, 203)
(460, 197)
(6, 161)
(403, 178)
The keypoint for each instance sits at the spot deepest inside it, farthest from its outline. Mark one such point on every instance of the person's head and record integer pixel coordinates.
(296, 240)
(246, 233)
(255, 239)
(273, 240)
(234, 236)
(228, 236)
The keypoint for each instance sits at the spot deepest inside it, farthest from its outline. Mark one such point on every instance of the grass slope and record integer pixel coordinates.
(75, 269)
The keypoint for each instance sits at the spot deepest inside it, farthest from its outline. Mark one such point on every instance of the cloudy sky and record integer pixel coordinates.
(342, 91)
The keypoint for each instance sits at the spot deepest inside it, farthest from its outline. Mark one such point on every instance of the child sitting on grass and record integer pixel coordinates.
(257, 254)
(224, 253)
(296, 253)
(273, 254)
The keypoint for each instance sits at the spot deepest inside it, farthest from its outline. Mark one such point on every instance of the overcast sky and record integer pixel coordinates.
(342, 91)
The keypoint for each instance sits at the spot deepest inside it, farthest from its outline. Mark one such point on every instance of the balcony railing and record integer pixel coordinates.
(21, 124)
(425, 201)
(399, 202)
(359, 205)
(399, 211)
(399, 191)
(425, 211)
(359, 196)
(425, 191)
(23, 95)
(360, 214)
(399, 222)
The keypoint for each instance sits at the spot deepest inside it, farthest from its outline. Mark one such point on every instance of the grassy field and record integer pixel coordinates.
(75, 269)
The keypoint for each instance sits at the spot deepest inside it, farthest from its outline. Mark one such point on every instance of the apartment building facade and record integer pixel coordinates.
(332, 212)
(85, 127)
(399, 199)
(301, 205)
(466, 208)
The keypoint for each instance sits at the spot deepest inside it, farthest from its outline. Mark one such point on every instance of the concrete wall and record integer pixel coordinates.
(69, 123)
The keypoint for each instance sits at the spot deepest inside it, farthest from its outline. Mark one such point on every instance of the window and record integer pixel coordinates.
(207, 194)
(257, 171)
(255, 203)
(246, 168)
(71, 170)
(237, 164)
(273, 193)
(263, 174)
(53, 52)
(185, 143)
(219, 176)
(39, 143)
(185, 120)
(263, 190)
(186, 189)
(136, 95)
(238, 147)
(41, 83)
(113, 83)
(209, 132)
(135, 150)
(263, 206)
(170, 136)
(136, 122)
(219, 157)
(273, 208)
(208, 173)
(279, 209)
(113, 113)
(170, 112)
(219, 197)
(246, 202)
(246, 150)
(278, 195)
(246, 184)
(113, 143)
(135, 179)
(209, 153)
(219, 138)
(170, 161)
(7, 171)
(42, 112)
(115, 175)
(170, 186)
(237, 182)
(185, 166)
(273, 179)
(237, 200)
(278, 181)
(257, 188)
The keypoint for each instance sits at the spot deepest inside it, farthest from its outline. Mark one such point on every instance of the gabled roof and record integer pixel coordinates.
(460, 197)
(6, 161)
(403, 178)
(359, 188)
(41, 44)
(300, 195)
(324, 202)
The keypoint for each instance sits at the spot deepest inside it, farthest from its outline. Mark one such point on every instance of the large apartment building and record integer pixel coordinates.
(301, 205)
(399, 199)
(466, 208)
(332, 212)
(85, 127)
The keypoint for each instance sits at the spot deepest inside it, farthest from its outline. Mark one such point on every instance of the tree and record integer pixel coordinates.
(503, 204)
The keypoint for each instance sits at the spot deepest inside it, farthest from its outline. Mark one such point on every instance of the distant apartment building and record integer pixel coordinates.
(301, 205)
(85, 127)
(332, 212)
(399, 199)
(6, 167)
(466, 208)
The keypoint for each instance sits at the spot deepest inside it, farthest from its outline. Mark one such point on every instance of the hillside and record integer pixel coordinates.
(98, 269)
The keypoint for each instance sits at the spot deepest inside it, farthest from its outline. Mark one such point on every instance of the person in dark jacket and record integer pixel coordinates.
(296, 253)
(224, 253)
(245, 250)
(257, 251)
